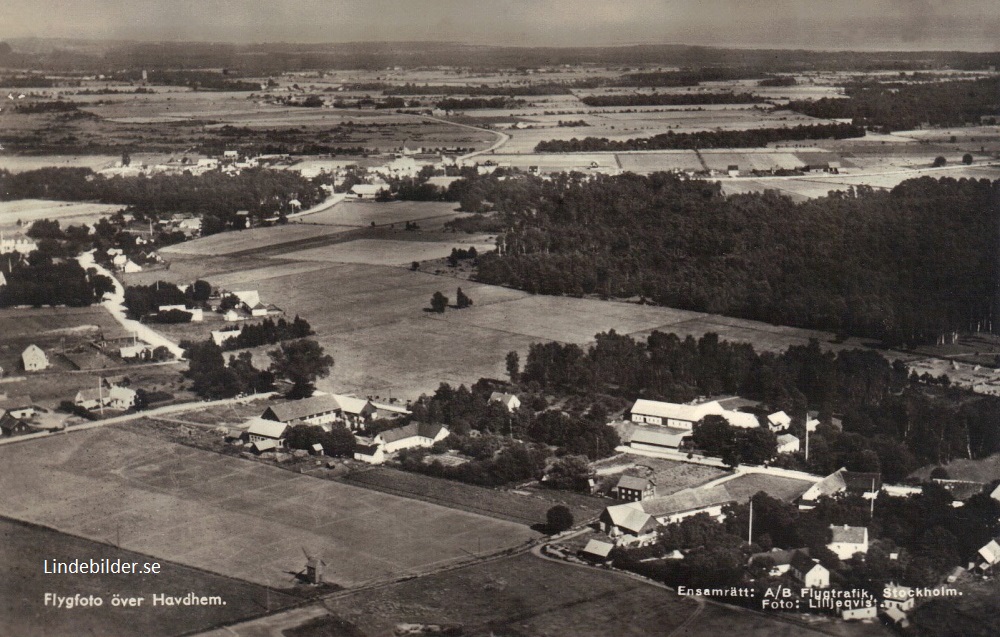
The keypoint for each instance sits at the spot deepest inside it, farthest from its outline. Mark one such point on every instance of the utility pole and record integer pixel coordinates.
(807, 437)
(750, 529)
(100, 394)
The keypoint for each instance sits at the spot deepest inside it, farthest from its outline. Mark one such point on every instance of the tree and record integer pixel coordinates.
(967, 159)
(126, 158)
(462, 300)
(569, 472)
(201, 290)
(439, 302)
(513, 366)
(558, 519)
(939, 161)
(301, 363)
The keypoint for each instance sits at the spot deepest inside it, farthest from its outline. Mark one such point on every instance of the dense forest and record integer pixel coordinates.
(891, 106)
(890, 421)
(904, 266)
(456, 104)
(214, 195)
(671, 99)
(670, 140)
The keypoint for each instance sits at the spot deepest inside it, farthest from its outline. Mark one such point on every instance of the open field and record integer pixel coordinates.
(364, 213)
(242, 519)
(67, 213)
(984, 470)
(252, 239)
(387, 252)
(525, 509)
(23, 587)
(528, 596)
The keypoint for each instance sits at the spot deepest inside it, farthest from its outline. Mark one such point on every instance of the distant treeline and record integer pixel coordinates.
(198, 80)
(890, 106)
(704, 139)
(905, 266)
(541, 88)
(25, 81)
(667, 99)
(452, 104)
(31, 108)
(215, 196)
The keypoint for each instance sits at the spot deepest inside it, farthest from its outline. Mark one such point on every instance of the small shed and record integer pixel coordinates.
(597, 551)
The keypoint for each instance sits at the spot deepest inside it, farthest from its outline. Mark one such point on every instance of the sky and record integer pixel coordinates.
(972, 25)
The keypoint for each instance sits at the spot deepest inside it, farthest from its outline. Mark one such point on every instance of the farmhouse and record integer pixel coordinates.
(510, 401)
(317, 410)
(121, 398)
(787, 443)
(34, 359)
(269, 433)
(866, 484)
(135, 352)
(682, 416)
(596, 551)
(21, 246)
(628, 524)
(899, 597)
(89, 398)
(411, 436)
(861, 612)
(354, 412)
(13, 426)
(809, 571)
(666, 439)
(683, 504)
(370, 453)
(634, 489)
(990, 553)
(366, 191)
(17, 406)
(848, 540)
(779, 421)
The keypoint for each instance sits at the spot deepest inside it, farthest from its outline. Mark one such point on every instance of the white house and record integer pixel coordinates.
(261, 430)
(859, 613)
(121, 398)
(131, 267)
(366, 191)
(89, 399)
(372, 454)
(787, 443)
(809, 571)
(899, 597)
(17, 406)
(990, 554)
(848, 540)
(510, 401)
(34, 359)
(411, 436)
(628, 524)
(779, 421)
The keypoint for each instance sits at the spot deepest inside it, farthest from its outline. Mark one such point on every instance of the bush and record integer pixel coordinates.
(558, 519)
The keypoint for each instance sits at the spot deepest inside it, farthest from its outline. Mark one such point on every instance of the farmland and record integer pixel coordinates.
(23, 587)
(525, 595)
(670, 476)
(527, 508)
(27, 211)
(229, 516)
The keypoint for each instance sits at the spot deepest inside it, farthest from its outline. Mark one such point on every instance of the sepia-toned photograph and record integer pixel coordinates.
(499, 318)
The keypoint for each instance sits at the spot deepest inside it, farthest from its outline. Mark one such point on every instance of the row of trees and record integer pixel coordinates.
(821, 264)
(439, 302)
(671, 99)
(268, 332)
(704, 139)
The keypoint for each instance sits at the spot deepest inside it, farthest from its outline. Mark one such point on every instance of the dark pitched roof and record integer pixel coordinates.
(634, 482)
(423, 429)
(298, 409)
(802, 562)
(858, 481)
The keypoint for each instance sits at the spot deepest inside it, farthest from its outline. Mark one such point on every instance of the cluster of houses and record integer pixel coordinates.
(19, 416)
(111, 393)
(21, 245)
(267, 433)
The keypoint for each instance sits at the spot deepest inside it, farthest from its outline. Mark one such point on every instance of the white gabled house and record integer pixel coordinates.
(779, 421)
(266, 434)
(34, 359)
(411, 436)
(510, 401)
(848, 540)
(809, 571)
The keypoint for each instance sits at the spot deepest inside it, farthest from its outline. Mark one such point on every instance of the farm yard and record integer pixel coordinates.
(747, 485)
(22, 591)
(241, 519)
(670, 476)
